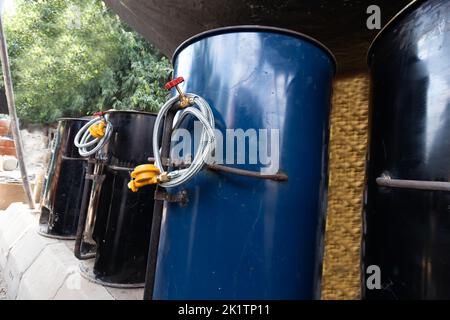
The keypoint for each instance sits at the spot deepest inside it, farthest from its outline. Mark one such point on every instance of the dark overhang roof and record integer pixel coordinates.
(339, 24)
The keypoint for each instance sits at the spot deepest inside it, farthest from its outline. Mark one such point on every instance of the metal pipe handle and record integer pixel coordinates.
(386, 181)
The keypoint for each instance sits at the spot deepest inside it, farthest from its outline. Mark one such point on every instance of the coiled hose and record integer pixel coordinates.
(207, 140)
(88, 144)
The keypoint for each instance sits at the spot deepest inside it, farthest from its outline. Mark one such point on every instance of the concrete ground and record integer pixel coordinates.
(2, 283)
(2, 287)
(38, 268)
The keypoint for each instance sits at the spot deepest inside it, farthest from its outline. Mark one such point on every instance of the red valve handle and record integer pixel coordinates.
(169, 85)
(99, 113)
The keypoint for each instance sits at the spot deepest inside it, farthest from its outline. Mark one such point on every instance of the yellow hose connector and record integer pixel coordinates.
(98, 130)
(143, 175)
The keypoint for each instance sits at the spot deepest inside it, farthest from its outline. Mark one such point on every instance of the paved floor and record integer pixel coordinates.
(2, 282)
(2, 287)
(39, 268)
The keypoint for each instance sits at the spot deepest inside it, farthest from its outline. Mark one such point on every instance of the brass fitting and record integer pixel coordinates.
(184, 101)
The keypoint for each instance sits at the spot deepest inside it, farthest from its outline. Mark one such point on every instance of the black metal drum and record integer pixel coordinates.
(407, 200)
(123, 218)
(63, 186)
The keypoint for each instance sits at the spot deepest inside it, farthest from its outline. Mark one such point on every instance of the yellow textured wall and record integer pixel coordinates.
(348, 143)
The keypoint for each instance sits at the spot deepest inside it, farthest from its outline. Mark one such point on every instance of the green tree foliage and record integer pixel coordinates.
(71, 58)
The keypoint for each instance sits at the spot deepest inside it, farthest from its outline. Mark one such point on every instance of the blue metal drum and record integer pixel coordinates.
(240, 237)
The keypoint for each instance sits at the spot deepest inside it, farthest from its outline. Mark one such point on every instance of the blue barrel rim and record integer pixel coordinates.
(253, 28)
(398, 17)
